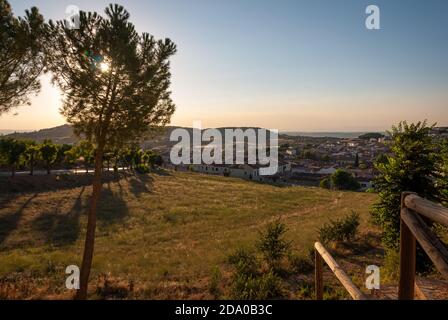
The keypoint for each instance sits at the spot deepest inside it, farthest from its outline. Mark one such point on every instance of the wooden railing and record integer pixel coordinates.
(321, 255)
(414, 211)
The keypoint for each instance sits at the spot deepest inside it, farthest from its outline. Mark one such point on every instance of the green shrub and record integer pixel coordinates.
(343, 180)
(415, 164)
(142, 169)
(214, 282)
(340, 229)
(260, 287)
(300, 264)
(305, 291)
(272, 245)
(391, 268)
(244, 262)
(248, 283)
(325, 183)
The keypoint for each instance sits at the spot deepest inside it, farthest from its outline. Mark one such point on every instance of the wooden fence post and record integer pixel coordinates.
(318, 276)
(407, 258)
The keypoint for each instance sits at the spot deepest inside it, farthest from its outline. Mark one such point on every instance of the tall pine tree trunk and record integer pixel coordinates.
(91, 227)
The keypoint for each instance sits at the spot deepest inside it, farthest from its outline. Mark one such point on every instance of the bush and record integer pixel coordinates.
(244, 262)
(391, 267)
(340, 229)
(300, 264)
(272, 245)
(343, 180)
(261, 287)
(325, 183)
(142, 169)
(248, 283)
(413, 166)
(214, 282)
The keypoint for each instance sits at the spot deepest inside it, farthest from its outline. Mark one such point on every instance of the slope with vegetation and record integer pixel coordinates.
(162, 235)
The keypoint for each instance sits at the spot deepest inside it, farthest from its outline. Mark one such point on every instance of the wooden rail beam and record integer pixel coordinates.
(428, 241)
(345, 280)
(318, 276)
(434, 211)
(407, 258)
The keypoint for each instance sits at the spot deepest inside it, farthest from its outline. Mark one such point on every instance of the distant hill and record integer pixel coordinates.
(5, 132)
(65, 134)
(61, 134)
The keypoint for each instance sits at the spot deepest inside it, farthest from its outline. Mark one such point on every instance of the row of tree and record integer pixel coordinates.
(27, 153)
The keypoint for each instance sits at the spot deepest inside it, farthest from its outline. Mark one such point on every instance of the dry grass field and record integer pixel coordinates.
(161, 235)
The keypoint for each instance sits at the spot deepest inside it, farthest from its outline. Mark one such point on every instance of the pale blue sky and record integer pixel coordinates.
(305, 65)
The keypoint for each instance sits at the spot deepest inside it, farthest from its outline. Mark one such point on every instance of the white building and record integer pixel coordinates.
(244, 171)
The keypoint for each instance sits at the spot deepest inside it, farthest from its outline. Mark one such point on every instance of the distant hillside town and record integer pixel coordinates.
(303, 160)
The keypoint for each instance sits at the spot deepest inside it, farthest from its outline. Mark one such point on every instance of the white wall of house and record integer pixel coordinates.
(326, 171)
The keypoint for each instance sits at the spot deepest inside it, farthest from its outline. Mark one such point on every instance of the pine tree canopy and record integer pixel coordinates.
(115, 81)
(21, 57)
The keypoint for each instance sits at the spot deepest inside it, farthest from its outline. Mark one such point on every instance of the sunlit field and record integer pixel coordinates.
(161, 234)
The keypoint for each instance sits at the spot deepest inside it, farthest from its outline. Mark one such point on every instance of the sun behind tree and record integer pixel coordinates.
(116, 87)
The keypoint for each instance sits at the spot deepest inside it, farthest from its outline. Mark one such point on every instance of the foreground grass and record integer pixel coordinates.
(160, 234)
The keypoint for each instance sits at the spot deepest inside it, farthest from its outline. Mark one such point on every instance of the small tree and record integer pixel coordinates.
(32, 154)
(412, 167)
(71, 156)
(152, 159)
(62, 150)
(86, 150)
(49, 152)
(116, 87)
(272, 244)
(21, 58)
(12, 151)
(343, 180)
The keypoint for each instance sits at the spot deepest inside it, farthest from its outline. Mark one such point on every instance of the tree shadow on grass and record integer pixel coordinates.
(140, 183)
(112, 207)
(9, 223)
(37, 184)
(161, 172)
(61, 228)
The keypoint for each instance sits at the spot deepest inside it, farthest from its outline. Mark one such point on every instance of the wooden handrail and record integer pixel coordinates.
(429, 242)
(323, 254)
(434, 211)
(413, 229)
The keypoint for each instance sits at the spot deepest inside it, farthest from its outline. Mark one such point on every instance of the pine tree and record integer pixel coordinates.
(21, 56)
(115, 83)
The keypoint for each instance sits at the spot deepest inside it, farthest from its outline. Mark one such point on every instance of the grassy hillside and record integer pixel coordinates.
(160, 234)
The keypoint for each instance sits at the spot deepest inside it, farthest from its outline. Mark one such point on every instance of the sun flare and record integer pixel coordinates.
(104, 67)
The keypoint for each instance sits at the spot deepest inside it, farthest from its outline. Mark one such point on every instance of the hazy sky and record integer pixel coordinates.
(304, 65)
